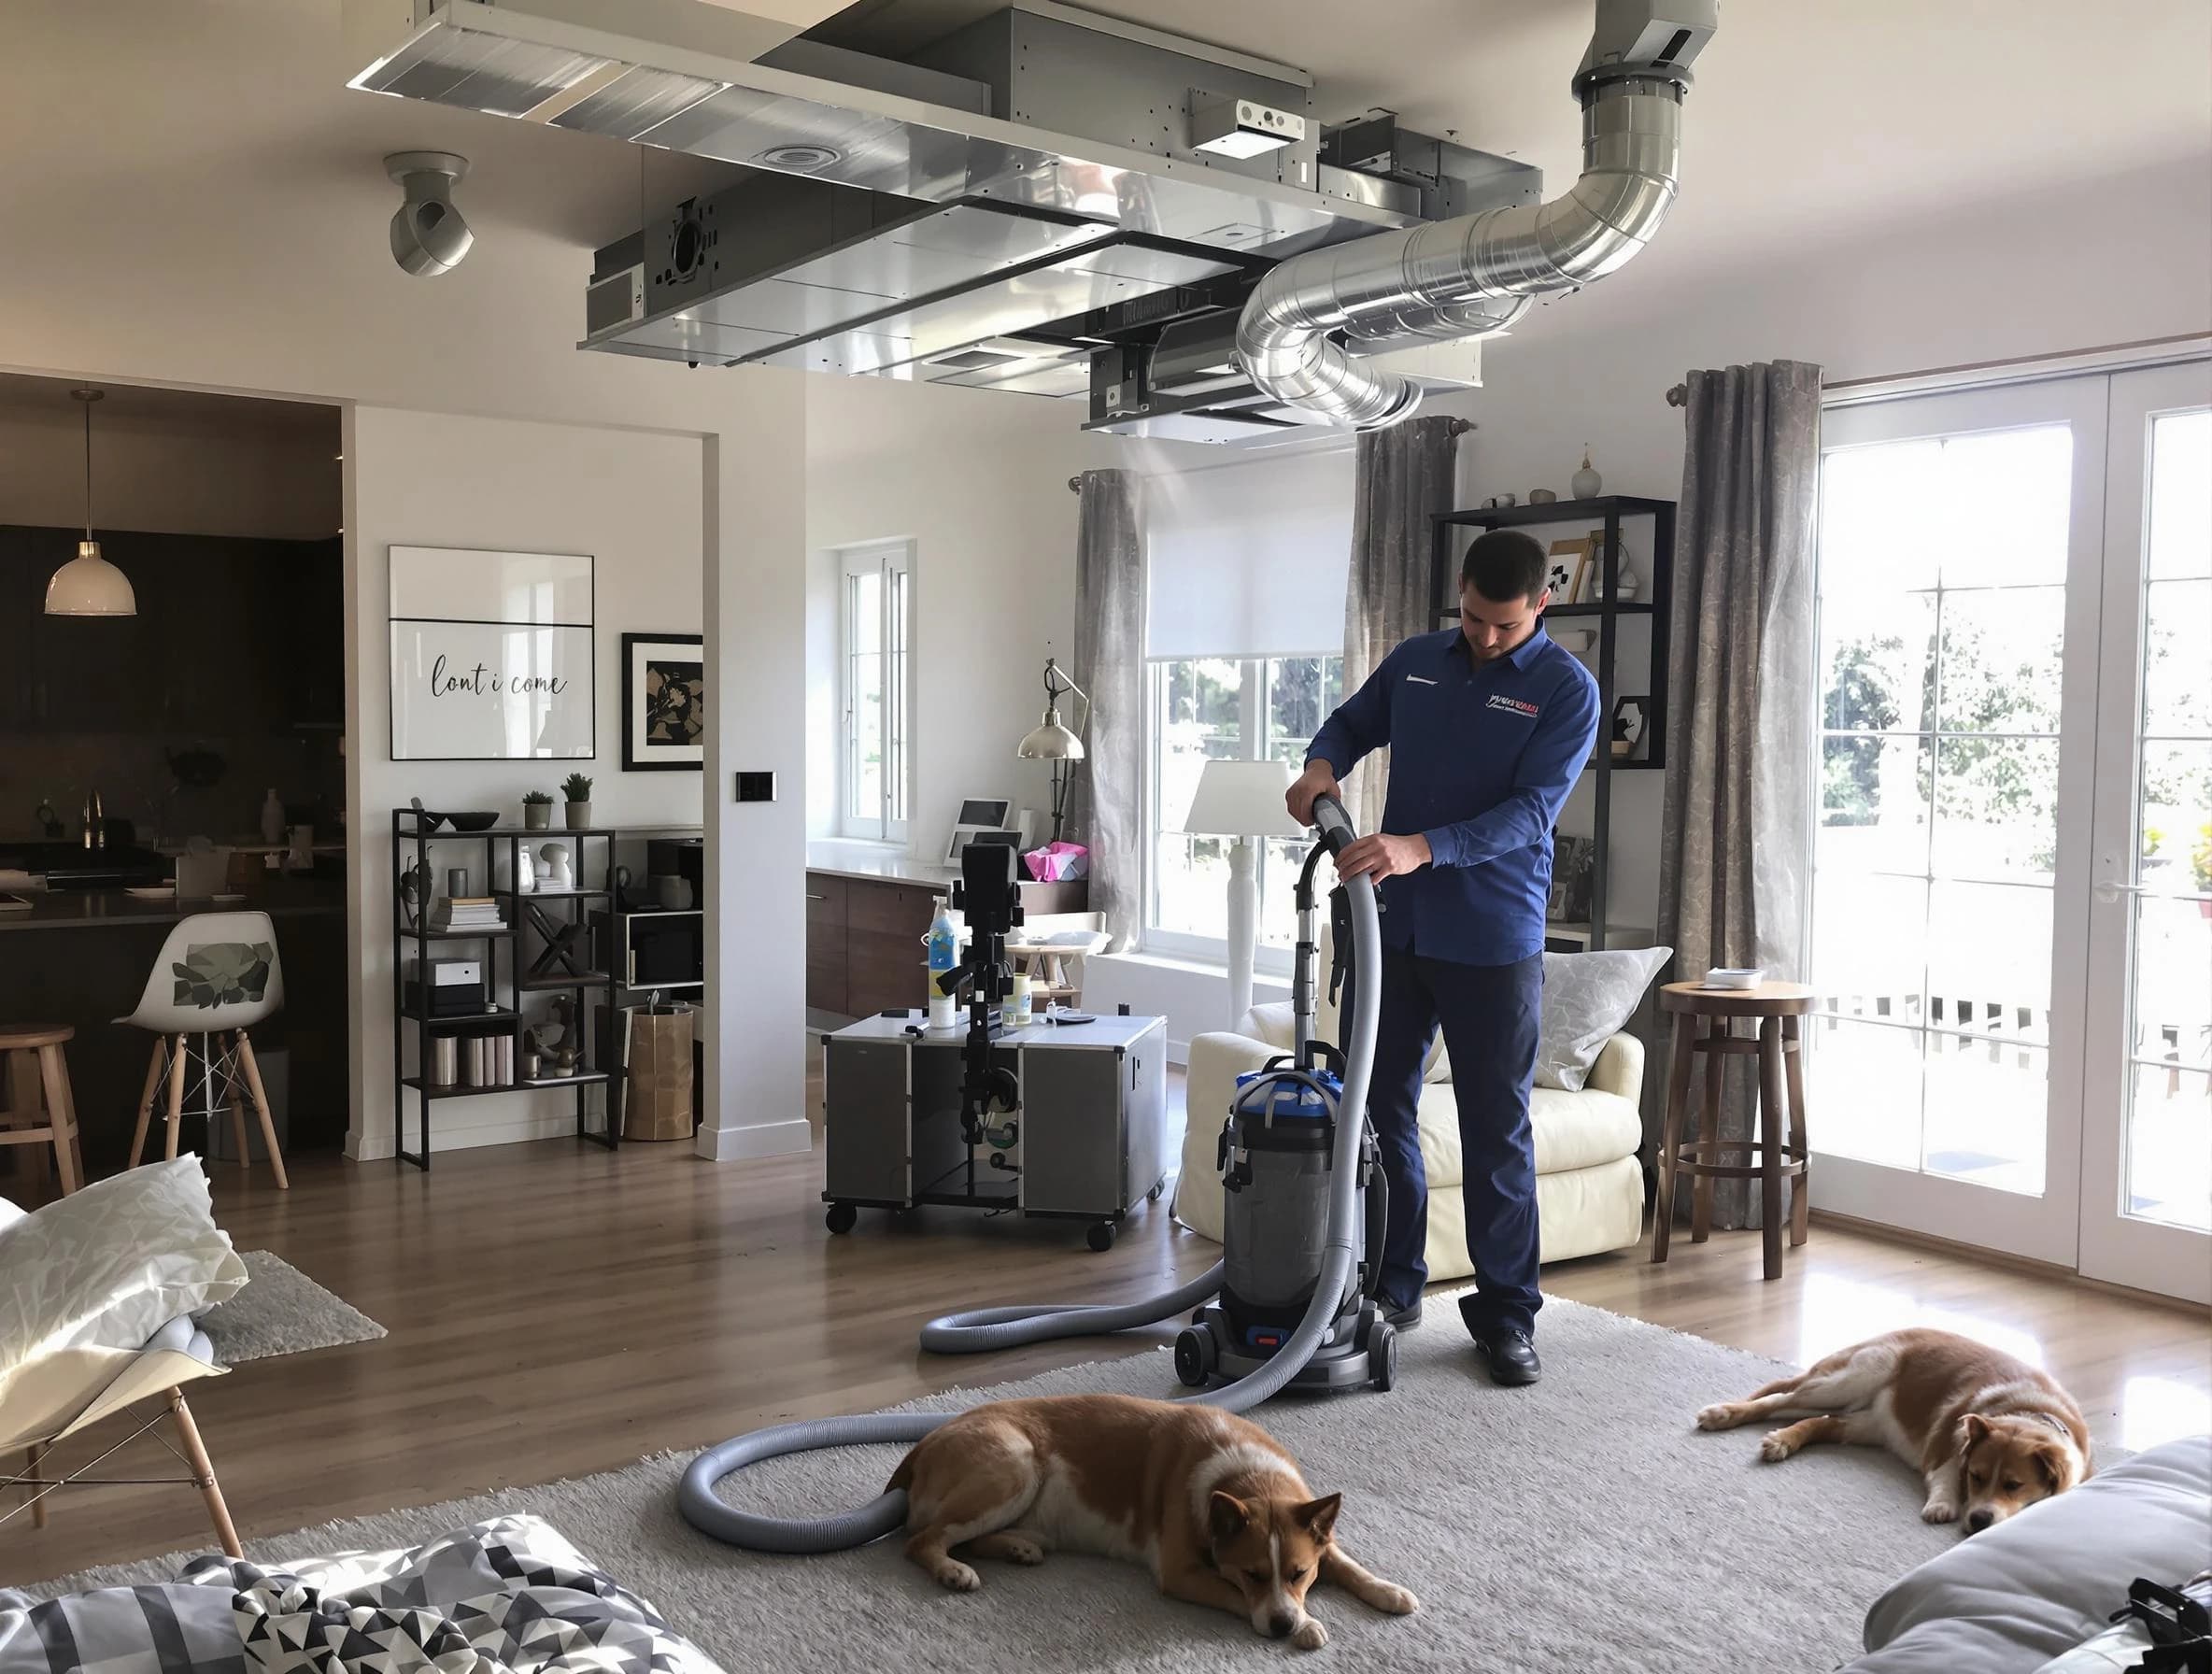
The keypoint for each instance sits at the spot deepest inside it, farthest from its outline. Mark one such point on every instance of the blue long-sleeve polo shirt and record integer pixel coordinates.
(1481, 755)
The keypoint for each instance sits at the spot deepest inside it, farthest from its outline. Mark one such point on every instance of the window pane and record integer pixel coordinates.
(896, 694)
(1191, 884)
(1877, 649)
(1868, 954)
(2177, 659)
(1871, 1078)
(1996, 807)
(1986, 1112)
(1880, 508)
(2169, 1165)
(2000, 668)
(1280, 861)
(868, 736)
(1301, 692)
(1874, 803)
(2005, 495)
(2181, 494)
(868, 606)
(2173, 998)
(2176, 820)
(1989, 959)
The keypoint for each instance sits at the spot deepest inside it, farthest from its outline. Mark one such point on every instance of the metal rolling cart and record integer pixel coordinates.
(1091, 1121)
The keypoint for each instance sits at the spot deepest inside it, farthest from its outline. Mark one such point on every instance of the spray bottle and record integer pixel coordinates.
(944, 958)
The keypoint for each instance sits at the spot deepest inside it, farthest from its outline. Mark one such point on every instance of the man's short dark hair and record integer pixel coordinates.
(1504, 565)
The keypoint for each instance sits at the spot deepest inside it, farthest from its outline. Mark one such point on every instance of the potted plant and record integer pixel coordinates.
(538, 809)
(2200, 862)
(577, 788)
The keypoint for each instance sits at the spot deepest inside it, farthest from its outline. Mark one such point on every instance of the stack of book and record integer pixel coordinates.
(467, 913)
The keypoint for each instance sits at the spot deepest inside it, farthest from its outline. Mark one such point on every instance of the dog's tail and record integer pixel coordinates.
(903, 1477)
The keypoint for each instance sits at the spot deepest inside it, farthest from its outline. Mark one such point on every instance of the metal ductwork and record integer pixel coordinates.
(1480, 272)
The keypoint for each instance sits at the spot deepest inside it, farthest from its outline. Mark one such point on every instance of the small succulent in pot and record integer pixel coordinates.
(538, 809)
(577, 788)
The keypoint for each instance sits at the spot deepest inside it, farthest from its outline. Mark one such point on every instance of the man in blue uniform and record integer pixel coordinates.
(1488, 725)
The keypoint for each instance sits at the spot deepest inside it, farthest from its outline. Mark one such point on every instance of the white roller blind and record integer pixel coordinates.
(1248, 559)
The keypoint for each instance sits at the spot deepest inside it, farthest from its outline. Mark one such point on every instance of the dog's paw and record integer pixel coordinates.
(1939, 1511)
(1775, 1447)
(957, 1576)
(1311, 1636)
(1395, 1601)
(1721, 1415)
(1020, 1549)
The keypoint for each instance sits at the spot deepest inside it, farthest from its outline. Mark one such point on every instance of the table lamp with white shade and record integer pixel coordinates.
(1243, 800)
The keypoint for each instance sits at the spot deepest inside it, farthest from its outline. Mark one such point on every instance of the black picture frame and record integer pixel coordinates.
(642, 759)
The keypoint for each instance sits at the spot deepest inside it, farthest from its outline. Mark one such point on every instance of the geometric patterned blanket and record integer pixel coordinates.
(504, 1596)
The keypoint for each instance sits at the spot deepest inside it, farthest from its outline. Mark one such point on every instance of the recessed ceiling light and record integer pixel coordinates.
(800, 159)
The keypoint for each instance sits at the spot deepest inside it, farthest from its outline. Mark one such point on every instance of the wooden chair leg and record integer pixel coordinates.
(261, 1104)
(155, 1063)
(1772, 1112)
(61, 1114)
(25, 1109)
(1709, 1134)
(178, 1055)
(231, 1088)
(34, 1454)
(1801, 1186)
(1670, 1133)
(195, 1454)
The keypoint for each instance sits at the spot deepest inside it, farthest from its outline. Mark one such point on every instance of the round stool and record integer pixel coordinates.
(1777, 1006)
(40, 1111)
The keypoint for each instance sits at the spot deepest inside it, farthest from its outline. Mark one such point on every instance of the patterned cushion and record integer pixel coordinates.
(1588, 997)
(213, 974)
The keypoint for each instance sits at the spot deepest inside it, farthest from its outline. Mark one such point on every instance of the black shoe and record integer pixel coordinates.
(1510, 1354)
(1404, 1318)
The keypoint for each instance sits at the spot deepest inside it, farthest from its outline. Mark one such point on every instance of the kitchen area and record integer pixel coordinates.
(171, 702)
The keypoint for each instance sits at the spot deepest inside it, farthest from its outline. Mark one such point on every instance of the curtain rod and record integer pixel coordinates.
(2057, 362)
(1458, 427)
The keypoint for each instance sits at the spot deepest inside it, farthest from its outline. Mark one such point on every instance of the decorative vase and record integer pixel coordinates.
(1585, 483)
(1543, 497)
(553, 874)
(578, 815)
(538, 816)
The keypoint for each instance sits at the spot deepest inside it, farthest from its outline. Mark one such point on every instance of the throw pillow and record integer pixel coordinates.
(1588, 997)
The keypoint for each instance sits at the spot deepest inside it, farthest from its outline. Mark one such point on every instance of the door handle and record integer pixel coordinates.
(2110, 891)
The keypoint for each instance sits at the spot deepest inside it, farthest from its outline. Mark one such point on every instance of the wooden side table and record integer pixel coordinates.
(1776, 1045)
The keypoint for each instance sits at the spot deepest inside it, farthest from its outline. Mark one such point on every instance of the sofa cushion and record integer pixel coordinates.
(1573, 1130)
(1588, 1000)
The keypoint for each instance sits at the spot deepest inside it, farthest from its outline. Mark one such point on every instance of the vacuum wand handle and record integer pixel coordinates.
(1334, 824)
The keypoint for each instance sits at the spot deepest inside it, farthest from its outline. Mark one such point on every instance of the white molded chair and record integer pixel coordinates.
(218, 976)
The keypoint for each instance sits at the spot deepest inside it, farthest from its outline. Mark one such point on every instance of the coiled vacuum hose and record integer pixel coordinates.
(985, 1328)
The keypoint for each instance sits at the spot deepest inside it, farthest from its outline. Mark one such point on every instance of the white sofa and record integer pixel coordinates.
(1589, 1185)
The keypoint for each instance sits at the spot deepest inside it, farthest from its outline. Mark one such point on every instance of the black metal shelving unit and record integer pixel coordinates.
(1611, 614)
(561, 942)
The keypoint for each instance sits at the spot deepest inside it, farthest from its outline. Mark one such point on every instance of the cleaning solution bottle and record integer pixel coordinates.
(945, 958)
(272, 818)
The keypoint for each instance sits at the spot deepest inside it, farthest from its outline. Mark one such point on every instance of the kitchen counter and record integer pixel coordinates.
(872, 863)
(85, 909)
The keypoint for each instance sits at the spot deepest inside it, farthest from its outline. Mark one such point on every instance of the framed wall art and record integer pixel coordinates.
(491, 656)
(664, 702)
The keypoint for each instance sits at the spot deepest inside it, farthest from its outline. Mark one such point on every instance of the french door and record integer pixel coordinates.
(2014, 1034)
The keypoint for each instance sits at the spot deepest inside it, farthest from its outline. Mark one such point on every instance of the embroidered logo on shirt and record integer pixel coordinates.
(1419, 680)
(1513, 705)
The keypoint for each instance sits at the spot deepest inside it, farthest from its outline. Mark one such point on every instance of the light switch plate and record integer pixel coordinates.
(756, 787)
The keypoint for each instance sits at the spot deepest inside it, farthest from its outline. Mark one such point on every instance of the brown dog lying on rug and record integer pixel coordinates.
(1210, 1502)
(1988, 1433)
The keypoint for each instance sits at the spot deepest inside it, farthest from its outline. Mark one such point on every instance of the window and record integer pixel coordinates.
(1230, 709)
(873, 626)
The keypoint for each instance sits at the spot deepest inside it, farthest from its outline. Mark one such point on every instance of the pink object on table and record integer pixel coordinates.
(1058, 862)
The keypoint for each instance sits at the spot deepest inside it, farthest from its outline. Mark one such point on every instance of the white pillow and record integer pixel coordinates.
(1588, 997)
(103, 1268)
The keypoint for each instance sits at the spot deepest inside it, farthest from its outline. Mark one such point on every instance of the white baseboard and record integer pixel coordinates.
(761, 1138)
(454, 1126)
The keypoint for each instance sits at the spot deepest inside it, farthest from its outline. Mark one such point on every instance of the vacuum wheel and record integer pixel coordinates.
(841, 1217)
(1193, 1356)
(1154, 1194)
(1101, 1236)
(1383, 1356)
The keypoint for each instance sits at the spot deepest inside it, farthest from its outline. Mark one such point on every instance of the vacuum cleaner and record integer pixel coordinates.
(1290, 1303)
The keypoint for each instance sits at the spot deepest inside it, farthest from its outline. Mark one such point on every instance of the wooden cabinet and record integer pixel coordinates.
(825, 943)
(865, 938)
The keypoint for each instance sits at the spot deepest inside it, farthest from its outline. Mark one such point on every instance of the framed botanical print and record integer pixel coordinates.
(664, 702)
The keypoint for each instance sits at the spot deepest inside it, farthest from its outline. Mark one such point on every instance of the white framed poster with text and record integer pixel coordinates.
(492, 655)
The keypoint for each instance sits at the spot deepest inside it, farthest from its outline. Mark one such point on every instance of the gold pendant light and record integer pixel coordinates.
(87, 584)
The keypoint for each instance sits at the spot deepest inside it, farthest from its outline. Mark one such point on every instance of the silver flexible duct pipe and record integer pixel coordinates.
(1001, 1327)
(1464, 278)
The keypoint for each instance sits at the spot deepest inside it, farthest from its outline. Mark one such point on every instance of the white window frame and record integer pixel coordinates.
(885, 819)
(1252, 702)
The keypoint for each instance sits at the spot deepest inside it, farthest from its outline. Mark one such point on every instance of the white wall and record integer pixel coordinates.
(979, 483)
(632, 501)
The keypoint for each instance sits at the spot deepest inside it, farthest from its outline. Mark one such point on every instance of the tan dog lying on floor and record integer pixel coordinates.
(1989, 1433)
(1212, 1503)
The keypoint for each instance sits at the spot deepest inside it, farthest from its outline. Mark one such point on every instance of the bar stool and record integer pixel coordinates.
(216, 976)
(40, 1111)
(1777, 1006)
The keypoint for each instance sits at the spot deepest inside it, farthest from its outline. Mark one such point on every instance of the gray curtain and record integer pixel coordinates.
(1406, 475)
(1739, 729)
(1106, 797)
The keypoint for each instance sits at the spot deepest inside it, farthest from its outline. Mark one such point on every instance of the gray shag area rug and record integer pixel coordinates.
(1579, 1525)
(282, 1311)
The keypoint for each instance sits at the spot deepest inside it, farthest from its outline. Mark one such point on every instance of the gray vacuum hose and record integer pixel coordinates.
(985, 1328)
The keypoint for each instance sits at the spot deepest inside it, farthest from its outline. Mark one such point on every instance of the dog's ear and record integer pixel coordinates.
(1318, 1517)
(2061, 1465)
(1972, 1428)
(1226, 1517)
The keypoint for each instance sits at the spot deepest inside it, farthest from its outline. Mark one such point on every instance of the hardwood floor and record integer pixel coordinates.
(556, 1309)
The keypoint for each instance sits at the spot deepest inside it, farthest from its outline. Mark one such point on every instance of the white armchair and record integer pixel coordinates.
(1589, 1185)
